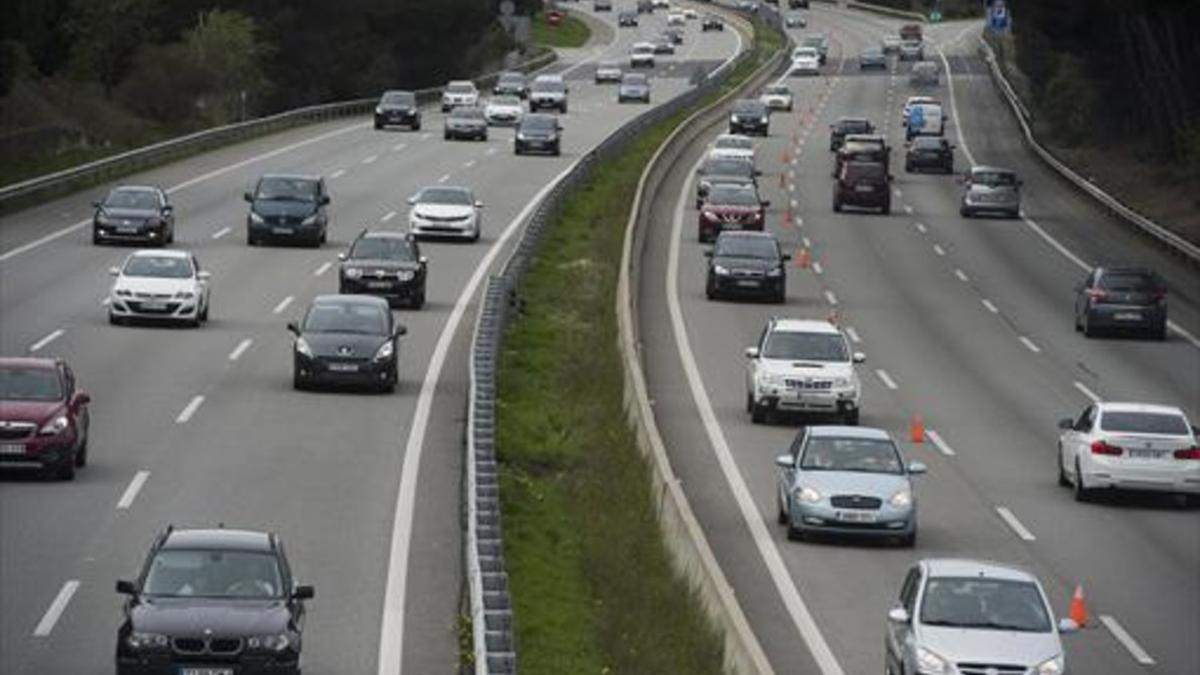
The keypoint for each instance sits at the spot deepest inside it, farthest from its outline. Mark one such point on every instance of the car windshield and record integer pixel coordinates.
(728, 167)
(814, 41)
(739, 142)
(19, 383)
(345, 317)
(1128, 282)
(853, 126)
(450, 196)
(975, 602)
(551, 86)
(460, 88)
(749, 108)
(779, 90)
(466, 113)
(928, 143)
(400, 98)
(539, 123)
(512, 79)
(633, 78)
(797, 346)
(158, 266)
(383, 248)
(872, 52)
(287, 189)
(182, 573)
(506, 101)
(643, 49)
(131, 199)
(994, 178)
(863, 455)
(1144, 423)
(746, 247)
(804, 52)
(864, 171)
(731, 195)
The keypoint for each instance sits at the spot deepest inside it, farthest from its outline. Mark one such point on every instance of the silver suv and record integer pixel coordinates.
(967, 617)
(802, 365)
(988, 189)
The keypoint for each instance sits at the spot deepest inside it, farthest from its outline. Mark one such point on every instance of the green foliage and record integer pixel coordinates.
(105, 35)
(227, 47)
(570, 33)
(1068, 101)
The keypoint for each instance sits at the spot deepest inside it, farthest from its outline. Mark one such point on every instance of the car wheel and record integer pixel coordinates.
(837, 206)
(1082, 492)
(780, 296)
(782, 516)
(794, 534)
(81, 455)
(710, 292)
(418, 300)
(416, 126)
(886, 209)
(851, 418)
(65, 470)
(1078, 327)
(378, 125)
(758, 414)
(96, 240)
(1088, 330)
(114, 319)
(964, 212)
(908, 167)
(170, 234)
(1062, 471)
(204, 313)
(298, 382)
(1160, 333)
(251, 240)
(909, 540)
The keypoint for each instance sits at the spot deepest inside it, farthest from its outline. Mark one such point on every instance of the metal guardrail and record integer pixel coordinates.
(151, 155)
(890, 11)
(494, 645)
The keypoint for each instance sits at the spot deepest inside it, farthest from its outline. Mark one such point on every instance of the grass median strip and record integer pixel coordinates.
(571, 32)
(593, 584)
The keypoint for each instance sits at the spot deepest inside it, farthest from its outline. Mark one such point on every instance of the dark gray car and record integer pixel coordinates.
(733, 170)
(138, 213)
(1122, 298)
(288, 208)
(989, 189)
(466, 122)
(634, 87)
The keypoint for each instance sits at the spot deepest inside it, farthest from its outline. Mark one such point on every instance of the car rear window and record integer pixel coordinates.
(746, 247)
(994, 178)
(1144, 423)
(854, 126)
(864, 171)
(1125, 281)
(928, 143)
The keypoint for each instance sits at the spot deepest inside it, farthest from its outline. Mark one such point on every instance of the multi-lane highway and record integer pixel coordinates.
(202, 426)
(966, 323)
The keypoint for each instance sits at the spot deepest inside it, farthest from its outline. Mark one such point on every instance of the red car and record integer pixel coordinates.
(43, 416)
(731, 206)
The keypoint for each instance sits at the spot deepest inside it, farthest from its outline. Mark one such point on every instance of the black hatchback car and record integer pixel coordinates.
(212, 602)
(746, 264)
(750, 116)
(347, 340)
(538, 132)
(399, 108)
(863, 184)
(1122, 298)
(138, 213)
(929, 152)
(288, 208)
(511, 84)
(848, 125)
(386, 264)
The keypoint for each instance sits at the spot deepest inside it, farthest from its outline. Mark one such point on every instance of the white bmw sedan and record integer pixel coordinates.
(158, 285)
(445, 211)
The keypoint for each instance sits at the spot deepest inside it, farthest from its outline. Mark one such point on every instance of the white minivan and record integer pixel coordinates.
(925, 119)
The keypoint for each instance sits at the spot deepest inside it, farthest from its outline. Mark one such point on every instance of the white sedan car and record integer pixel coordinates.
(805, 61)
(777, 97)
(1133, 446)
(689, 13)
(733, 146)
(608, 72)
(641, 55)
(445, 211)
(675, 18)
(158, 285)
(503, 110)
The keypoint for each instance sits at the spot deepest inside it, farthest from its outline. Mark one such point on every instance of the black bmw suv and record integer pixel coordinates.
(387, 264)
(398, 107)
(288, 208)
(212, 602)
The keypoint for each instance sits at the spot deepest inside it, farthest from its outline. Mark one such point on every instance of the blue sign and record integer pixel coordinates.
(998, 16)
(916, 118)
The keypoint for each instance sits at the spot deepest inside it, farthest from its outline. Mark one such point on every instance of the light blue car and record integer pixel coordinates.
(847, 481)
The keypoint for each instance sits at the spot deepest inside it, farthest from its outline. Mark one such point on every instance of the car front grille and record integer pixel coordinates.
(991, 669)
(12, 431)
(444, 219)
(810, 384)
(216, 646)
(856, 502)
(747, 274)
(141, 308)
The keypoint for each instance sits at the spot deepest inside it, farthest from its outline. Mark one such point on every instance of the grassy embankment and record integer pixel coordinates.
(593, 584)
(571, 32)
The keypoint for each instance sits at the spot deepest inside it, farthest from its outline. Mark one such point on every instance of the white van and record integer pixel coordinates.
(925, 119)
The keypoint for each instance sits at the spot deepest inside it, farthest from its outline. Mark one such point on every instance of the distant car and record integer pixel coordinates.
(915, 101)
(690, 13)
(717, 170)
(548, 91)
(1129, 446)
(777, 97)
(137, 213)
(819, 43)
(872, 58)
(398, 108)
(929, 152)
(711, 22)
(845, 126)
(627, 19)
(1122, 298)
(661, 4)
(863, 148)
(288, 208)
(957, 611)
(802, 366)
(608, 72)
(733, 146)
(864, 185)
(989, 189)
(805, 61)
(645, 7)
(729, 206)
(538, 132)
(890, 45)
(675, 35)
(746, 264)
(346, 340)
(663, 44)
(641, 55)
(386, 264)
(503, 111)
(747, 6)
(159, 286)
(750, 117)
(846, 480)
(45, 416)
(467, 122)
(924, 74)
(675, 18)
(797, 4)
(459, 93)
(212, 596)
(511, 84)
(795, 21)
(925, 119)
(634, 87)
(445, 211)
(912, 50)
(911, 31)
(602, 5)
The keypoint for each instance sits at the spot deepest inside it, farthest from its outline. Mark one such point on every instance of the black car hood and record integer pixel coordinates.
(376, 264)
(127, 213)
(345, 345)
(293, 209)
(192, 617)
(396, 107)
(741, 263)
(538, 135)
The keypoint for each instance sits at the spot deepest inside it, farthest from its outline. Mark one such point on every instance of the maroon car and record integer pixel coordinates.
(43, 416)
(731, 207)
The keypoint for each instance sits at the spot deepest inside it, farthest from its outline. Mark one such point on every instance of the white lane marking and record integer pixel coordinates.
(817, 269)
(1118, 631)
(338, 174)
(797, 609)
(1029, 344)
(799, 221)
(962, 276)
(106, 302)
(399, 146)
(469, 163)
(897, 192)
(807, 243)
(908, 209)
(387, 216)
(886, 379)
(942, 446)
(222, 232)
(427, 136)
(56, 609)
(131, 492)
(445, 177)
(937, 248)
(794, 204)
(1011, 520)
(853, 334)
(829, 296)
(190, 409)
(990, 306)
(391, 631)
(46, 340)
(921, 228)
(371, 159)
(322, 269)
(490, 152)
(1083, 389)
(240, 349)
(282, 305)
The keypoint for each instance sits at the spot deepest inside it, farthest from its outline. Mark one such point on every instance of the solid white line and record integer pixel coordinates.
(469, 163)
(1118, 631)
(106, 302)
(338, 174)
(1029, 344)
(57, 607)
(816, 268)
(1093, 396)
(222, 232)
(371, 159)
(426, 136)
(797, 609)
(908, 209)
(807, 243)
(886, 379)
(399, 146)
(962, 276)
(921, 228)
(990, 306)
(897, 192)
(853, 334)
(941, 445)
(831, 298)
(490, 152)
(240, 349)
(131, 492)
(795, 204)
(387, 216)
(189, 410)
(445, 177)
(282, 305)
(799, 221)
(1011, 520)
(938, 249)
(322, 269)
(46, 340)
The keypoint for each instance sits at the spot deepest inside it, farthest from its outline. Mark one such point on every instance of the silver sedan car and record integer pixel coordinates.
(988, 189)
(849, 481)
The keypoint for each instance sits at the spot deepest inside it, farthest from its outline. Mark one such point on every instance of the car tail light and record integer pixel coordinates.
(1160, 296)
(1103, 448)
(1188, 453)
(1097, 294)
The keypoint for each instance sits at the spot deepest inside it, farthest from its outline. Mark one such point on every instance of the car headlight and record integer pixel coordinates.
(841, 382)
(302, 348)
(255, 218)
(775, 272)
(808, 495)
(352, 272)
(185, 295)
(311, 220)
(271, 643)
(378, 110)
(103, 219)
(928, 662)
(733, 119)
(123, 292)
(765, 119)
(720, 269)
(385, 351)
(521, 137)
(902, 499)
(772, 379)
(55, 426)
(138, 640)
(1054, 666)
(404, 275)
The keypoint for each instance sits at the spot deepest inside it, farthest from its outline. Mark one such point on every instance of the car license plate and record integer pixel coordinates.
(379, 284)
(856, 516)
(748, 283)
(192, 670)
(154, 304)
(1145, 454)
(12, 449)
(1127, 316)
(130, 229)
(864, 188)
(344, 367)
(281, 230)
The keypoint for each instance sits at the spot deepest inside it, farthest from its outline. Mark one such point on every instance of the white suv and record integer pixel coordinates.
(802, 365)
(641, 55)
(459, 93)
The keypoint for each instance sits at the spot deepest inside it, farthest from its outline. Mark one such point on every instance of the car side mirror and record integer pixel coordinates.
(303, 592)
(766, 203)
(752, 352)
(325, 200)
(411, 201)
(757, 172)
(1196, 431)
(423, 260)
(891, 178)
(96, 203)
(898, 615)
(82, 398)
(1067, 626)
(1066, 423)
(708, 253)
(125, 587)
(859, 357)
(917, 468)
(294, 328)
(114, 272)
(342, 257)
(478, 204)
(785, 257)
(400, 330)
(247, 196)
(203, 275)
(783, 461)
(168, 208)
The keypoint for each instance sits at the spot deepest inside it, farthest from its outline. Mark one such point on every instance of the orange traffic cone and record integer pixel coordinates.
(803, 259)
(916, 427)
(787, 156)
(1079, 613)
(787, 216)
